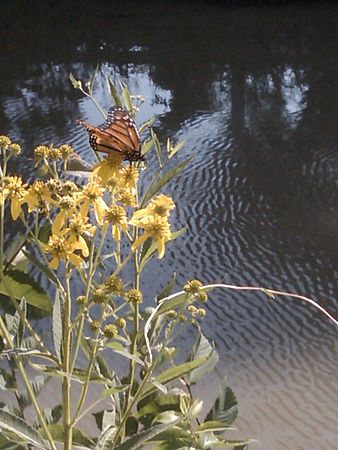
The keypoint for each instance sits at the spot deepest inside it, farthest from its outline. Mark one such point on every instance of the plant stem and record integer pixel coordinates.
(66, 382)
(28, 385)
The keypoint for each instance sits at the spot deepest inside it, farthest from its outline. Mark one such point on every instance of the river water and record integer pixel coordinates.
(252, 89)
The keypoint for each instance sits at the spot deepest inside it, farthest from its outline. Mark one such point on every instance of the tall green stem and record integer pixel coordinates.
(66, 382)
(4, 332)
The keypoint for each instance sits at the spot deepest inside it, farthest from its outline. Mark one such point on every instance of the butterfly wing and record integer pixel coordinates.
(118, 133)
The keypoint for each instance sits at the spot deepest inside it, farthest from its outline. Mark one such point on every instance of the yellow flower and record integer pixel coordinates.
(41, 152)
(134, 296)
(117, 217)
(5, 142)
(110, 331)
(159, 206)
(194, 287)
(15, 149)
(155, 227)
(15, 190)
(126, 198)
(129, 177)
(67, 205)
(37, 196)
(62, 250)
(77, 227)
(92, 194)
(54, 153)
(66, 151)
(114, 285)
(108, 168)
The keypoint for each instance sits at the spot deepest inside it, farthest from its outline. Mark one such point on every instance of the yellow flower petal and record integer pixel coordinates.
(15, 208)
(140, 240)
(58, 223)
(160, 248)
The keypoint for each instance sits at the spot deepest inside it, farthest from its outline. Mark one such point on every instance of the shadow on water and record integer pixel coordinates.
(251, 89)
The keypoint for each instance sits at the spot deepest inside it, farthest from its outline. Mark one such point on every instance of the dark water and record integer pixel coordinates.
(253, 90)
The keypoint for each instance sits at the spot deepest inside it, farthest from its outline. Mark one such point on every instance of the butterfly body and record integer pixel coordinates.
(117, 134)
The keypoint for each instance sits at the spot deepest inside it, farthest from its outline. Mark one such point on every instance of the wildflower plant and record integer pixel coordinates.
(86, 237)
(69, 225)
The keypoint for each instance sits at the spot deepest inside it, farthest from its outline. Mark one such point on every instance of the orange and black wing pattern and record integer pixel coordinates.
(117, 134)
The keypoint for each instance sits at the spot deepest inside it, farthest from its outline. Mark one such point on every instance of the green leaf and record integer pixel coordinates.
(158, 148)
(225, 408)
(14, 248)
(22, 429)
(18, 284)
(136, 441)
(43, 268)
(116, 389)
(146, 125)
(44, 232)
(211, 425)
(168, 288)
(236, 444)
(104, 437)
(156, 185)
(174, 150)
(57, 325)
(114, 93)
(58, 434)
(203, 349)
(130, 356)
(147, 145)
(172, 374)
(24, 399)
(172, 303)
(21, 328)
(126, 98)
(105, 419)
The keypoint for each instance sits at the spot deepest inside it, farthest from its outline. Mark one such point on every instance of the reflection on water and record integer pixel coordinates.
(251, 90)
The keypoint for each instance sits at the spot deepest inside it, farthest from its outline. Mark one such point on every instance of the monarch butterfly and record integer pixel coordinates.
(117, 134)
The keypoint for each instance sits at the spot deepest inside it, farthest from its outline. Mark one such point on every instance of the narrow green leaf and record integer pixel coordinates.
(42, 267)
(21, 328)
(175, 149)
(203, 349)
(157, 185)
(146, 125)
(57, 325)
(105, 418)
(173, 374)
(168, 288)
(104, 437)
(58, 434)
(18, 284)
(44, 232)
(173, 303)
(14, 248)
(211, 425)
(225, 408)
(130, 356)
(24, 399)
(114, 93)
(126, 98)
(147, 146)
(22, 429)
(138, 439)
(114, 390)
(158, 148)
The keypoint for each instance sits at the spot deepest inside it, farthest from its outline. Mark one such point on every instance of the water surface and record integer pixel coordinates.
(251, 90)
